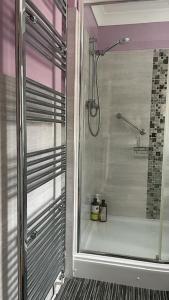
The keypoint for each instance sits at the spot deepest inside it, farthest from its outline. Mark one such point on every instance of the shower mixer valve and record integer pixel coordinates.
(91, 104)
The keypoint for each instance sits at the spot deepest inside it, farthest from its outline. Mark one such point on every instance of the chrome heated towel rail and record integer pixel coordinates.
(41, 240)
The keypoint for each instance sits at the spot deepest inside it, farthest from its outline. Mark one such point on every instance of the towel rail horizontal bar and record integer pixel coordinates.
(50, 40)
(51, 52)
(39, 49)
(43, 87)
(44, 231)
(45, 238)
(45, 151)
(41, 20)
(45, 21)
(50, 246)
(42, 258)
(46, 55)
(42, 268)
(39, 290)
(45, 112)
(43, 159)
(43, 292)
(40, 111)
(44, 211)
(33, 33)
(54, 258)
(39, 34)
(37, 185)
(46, 96)
(61, 7)
(62, 3)
(46, 248)
(46, 221)
(58, 207)
(42, 30)
(43, 176)
(46, 245)
(40, 279)
(45, 173)
(37, 169)
(43, 119)
(43, 103)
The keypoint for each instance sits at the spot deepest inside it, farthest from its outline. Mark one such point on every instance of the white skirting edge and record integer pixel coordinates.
(122, 271)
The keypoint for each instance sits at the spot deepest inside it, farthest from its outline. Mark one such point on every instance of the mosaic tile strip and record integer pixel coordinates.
(156, 137)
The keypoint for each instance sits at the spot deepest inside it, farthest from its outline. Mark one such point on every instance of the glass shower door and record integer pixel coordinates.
(123, 163)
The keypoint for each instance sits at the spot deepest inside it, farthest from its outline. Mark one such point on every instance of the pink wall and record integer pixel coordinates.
(37, 68)
(73, 3)
(143, 36)
(90, 22)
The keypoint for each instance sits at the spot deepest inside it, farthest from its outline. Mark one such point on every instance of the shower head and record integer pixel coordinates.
(122, 41)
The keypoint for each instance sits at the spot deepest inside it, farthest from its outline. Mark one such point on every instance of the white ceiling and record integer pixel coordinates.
(131, 12)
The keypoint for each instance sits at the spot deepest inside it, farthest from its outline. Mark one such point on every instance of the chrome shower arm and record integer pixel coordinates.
(103, 52)
(123, 40)
(141, 131)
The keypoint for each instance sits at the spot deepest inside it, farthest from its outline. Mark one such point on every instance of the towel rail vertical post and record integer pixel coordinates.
(21, 150)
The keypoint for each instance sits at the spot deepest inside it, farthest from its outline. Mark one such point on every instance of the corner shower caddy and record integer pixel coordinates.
(41, 240)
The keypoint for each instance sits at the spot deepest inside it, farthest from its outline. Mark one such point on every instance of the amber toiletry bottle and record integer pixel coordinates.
(103, 212)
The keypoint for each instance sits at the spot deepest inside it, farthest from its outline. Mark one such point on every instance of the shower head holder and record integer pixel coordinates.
(91, 104)
(99, 52)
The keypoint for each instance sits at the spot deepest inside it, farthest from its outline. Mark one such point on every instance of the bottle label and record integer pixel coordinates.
(94, 217)
(95, 212)
(103, 214)
(95, 209)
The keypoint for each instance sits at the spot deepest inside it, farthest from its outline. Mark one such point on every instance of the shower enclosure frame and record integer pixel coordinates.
(108, 266)
(141, 131)
(24, 185)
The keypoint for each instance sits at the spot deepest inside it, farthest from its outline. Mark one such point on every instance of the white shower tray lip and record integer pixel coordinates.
(125, 262)
(122, 271)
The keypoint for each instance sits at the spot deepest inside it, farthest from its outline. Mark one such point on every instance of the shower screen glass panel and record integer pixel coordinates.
(123, 129)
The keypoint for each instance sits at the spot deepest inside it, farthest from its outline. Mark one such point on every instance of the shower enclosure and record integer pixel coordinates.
(124, 131)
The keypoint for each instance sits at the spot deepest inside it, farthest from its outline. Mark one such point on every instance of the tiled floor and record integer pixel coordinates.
(84, 289)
